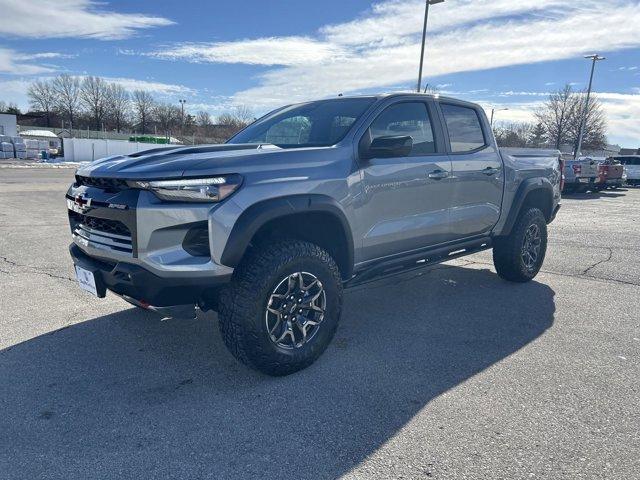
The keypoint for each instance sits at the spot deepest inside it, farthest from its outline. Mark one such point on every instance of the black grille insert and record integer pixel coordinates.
(100, 224)
(106, 184)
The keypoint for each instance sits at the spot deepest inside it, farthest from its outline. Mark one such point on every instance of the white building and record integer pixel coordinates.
(51, 138)
(8, 125)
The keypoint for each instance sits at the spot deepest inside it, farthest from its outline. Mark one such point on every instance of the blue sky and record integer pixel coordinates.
(218, 54)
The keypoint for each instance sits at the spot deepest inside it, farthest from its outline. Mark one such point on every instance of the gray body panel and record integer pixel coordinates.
(391, 205)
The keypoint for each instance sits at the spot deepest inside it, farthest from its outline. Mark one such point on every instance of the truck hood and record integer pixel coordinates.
(173, 162)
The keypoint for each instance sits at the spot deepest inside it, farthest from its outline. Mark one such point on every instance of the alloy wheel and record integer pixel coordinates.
(295, 310)
(531, 247)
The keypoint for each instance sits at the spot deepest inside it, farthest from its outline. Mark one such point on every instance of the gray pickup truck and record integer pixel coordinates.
(269, 228)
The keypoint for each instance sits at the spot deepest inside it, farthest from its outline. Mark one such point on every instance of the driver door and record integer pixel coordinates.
(406, 200)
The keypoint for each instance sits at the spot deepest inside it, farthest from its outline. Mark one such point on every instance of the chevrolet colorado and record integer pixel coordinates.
(269, 228)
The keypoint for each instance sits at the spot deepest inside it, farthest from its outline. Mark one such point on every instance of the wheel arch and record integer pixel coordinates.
(315, 218)
(532, 192)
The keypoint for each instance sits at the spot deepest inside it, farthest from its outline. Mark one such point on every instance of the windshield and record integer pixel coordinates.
(315, 124)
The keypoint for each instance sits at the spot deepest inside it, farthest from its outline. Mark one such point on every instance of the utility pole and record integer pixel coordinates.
(424, 38)
(583, 121)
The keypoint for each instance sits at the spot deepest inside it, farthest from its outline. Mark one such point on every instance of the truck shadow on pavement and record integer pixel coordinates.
(126, 395)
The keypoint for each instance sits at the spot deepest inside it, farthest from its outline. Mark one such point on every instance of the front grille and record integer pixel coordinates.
(106, 184)
(101, 224)
(101, 233)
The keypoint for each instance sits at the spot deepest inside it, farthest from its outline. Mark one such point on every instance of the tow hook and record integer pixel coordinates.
(173, 312)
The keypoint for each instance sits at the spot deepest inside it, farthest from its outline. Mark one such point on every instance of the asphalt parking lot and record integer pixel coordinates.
(450, 374)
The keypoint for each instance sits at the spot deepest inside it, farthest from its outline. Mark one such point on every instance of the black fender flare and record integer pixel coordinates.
(258, 214)
(526, 187)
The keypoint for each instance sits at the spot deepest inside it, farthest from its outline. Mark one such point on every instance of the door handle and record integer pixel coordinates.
(490, 171)
(438, 174)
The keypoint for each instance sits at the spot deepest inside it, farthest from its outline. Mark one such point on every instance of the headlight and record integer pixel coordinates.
(212, 189)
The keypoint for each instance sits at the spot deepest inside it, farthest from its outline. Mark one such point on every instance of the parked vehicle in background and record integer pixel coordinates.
(269, 228)
(580, 175)
(610, 175)
(631, 164)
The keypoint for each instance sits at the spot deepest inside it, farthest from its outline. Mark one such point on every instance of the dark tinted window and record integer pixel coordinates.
(411, 119)
(628, 160)
(465, 130)
(314, 124)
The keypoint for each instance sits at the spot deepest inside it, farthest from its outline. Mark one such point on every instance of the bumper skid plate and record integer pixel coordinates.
(174, 297)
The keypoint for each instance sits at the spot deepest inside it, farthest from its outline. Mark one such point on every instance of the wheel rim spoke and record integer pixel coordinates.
(531, 247)
(297, 304)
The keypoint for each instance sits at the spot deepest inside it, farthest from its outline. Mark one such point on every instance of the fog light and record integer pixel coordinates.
(196, 241)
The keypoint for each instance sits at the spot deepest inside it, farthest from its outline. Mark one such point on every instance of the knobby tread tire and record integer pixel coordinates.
(507, 250)
(243, 302)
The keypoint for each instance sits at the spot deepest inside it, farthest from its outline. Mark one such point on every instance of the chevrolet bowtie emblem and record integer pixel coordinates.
(82, 202)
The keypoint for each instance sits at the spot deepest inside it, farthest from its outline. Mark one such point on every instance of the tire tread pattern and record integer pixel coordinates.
(241, 301)
(507, 250)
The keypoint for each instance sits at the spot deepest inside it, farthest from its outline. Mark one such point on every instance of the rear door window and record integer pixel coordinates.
(465, 129)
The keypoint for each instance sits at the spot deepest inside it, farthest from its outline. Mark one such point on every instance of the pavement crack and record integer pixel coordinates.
(587, 270)
(572, 275)
(33, 269)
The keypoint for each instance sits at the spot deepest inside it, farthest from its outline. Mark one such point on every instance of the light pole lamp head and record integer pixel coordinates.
(595, 57)
(433, 2)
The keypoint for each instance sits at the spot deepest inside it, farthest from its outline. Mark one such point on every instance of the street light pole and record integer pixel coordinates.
(493, 111)
(424, 38)
(583, 121)
(182, 102)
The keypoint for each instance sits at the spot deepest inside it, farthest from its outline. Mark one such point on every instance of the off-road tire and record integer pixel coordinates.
(243, 303)
(507, 250)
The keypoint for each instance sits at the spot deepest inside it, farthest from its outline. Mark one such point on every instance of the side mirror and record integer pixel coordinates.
(389, 147)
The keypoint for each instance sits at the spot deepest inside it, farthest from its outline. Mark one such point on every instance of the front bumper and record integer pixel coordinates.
(143, 288)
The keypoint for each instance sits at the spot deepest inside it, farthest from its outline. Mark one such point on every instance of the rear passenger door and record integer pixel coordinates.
(477, 171)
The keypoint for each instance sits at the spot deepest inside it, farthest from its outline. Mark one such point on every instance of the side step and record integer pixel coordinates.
(417, 261)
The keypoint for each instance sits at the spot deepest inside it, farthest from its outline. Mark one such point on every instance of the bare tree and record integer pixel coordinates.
(143, 103)
(67, 95)
(514, 134)
(595, 127)
(93, 95)
(561, 115)
(203, 119)
(118, 105)
(538, 136)
(243, 115)
(555, 115)
(11, 108)
(168, 117)
(237, 119)
(42, 97)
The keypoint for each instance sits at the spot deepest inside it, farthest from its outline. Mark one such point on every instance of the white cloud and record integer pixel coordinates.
(151, 86)
(71, 18)
(491, 44)
(13, 62)
(43, 55)
(262, 51)
(395, 21)
(623, 112)
(380, 49)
